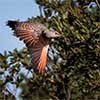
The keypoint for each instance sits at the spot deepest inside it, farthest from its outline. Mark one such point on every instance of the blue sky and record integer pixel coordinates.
(13, 10)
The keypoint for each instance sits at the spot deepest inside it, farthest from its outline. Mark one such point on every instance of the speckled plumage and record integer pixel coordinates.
(35, 35)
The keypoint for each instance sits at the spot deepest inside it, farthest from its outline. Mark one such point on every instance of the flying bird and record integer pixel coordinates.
(36, 36)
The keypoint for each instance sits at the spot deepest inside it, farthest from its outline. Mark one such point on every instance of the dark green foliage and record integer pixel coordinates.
(77, 77)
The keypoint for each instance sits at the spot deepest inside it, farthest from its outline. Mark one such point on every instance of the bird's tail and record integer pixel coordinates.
(12, 24)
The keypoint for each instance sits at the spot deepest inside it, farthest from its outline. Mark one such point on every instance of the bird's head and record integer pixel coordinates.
(52, 34)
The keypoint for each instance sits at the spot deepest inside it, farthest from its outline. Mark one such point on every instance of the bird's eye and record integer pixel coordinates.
(56, 32)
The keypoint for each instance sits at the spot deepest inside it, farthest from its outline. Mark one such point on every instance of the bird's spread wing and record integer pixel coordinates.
(39, 56)
(26, 32)
(35, 43)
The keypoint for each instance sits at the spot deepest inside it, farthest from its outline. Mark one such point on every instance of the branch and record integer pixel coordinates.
(98, 3)
(53, 96)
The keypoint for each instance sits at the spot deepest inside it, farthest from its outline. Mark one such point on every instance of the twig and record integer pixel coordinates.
(98, 3)
(53, 96)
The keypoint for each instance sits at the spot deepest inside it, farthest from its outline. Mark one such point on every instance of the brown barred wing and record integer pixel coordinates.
(29, 37)
(25, 31)
(31, 34)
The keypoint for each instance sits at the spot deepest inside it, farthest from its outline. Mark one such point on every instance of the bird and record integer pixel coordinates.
(36, 37)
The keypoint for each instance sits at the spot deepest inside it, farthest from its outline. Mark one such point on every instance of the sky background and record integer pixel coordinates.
(13, 10)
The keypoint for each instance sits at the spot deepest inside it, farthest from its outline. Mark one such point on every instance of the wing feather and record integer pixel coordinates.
(43, 58)
(35, 42)
(39, 56)
(27, 36)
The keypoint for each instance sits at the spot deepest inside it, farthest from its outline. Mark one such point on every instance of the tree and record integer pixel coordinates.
(77, 74)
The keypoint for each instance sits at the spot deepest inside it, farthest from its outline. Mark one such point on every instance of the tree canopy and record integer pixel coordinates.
(73, 67)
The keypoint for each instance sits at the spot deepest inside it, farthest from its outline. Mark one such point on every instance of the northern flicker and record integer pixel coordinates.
(35, 35)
